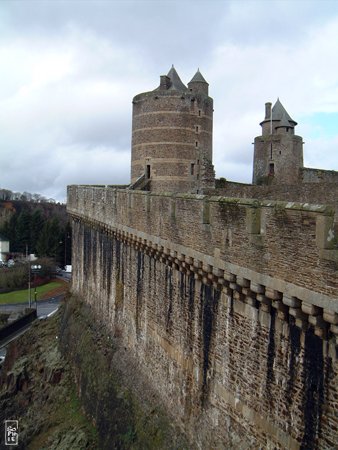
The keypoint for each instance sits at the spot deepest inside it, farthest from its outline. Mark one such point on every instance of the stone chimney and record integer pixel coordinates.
(164, 82)
(268, 110)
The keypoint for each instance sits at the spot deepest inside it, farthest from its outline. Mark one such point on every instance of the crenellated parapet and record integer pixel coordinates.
(270, 255)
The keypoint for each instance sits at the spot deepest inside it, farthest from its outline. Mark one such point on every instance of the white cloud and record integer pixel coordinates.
(243, 77)
(69, 71)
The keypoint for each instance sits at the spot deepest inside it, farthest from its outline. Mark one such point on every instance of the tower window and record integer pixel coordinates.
(196, 144)
(271, 169)
(197, 129)
(148, 170)
(192, 169)
(199, 112)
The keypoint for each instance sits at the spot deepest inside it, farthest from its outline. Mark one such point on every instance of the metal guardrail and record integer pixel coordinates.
(17, 325)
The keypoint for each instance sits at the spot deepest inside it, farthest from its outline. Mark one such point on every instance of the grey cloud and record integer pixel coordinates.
(71, 68)
(177, 29)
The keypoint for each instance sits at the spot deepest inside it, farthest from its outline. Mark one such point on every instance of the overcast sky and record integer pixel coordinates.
(69, 70)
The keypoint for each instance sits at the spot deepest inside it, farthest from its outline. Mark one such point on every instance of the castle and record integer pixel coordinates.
(172, 141)
(227, 297)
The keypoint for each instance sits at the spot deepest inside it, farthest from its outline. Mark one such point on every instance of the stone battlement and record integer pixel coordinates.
(277, 254)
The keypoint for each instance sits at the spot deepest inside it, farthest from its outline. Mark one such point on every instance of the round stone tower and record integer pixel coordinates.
(278, 153)
(172, 136)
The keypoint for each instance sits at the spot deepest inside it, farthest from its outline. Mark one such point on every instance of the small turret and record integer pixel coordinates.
(198, 85)
(276, 117)
(278, 153)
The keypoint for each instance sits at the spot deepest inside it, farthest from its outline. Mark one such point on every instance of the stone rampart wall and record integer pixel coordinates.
(230, 307)
(320, 193)
(309, 175)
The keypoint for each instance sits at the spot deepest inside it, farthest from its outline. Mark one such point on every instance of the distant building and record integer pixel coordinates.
(4, 248)
(278, 154)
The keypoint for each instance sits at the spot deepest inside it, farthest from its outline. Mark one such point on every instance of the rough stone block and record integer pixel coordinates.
(253, 220)
(330, 317)
(258, 288)
(297, 313)
(293, 302)
(325, 235)
(312, 310)
(317, 321)
(273, 294)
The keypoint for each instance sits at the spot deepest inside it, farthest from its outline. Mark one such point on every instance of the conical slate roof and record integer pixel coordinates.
(285, 122)
(198, 77)
(176, 83)
(280, 113)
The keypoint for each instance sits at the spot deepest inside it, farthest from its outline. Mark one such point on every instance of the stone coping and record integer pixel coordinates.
(251, 202)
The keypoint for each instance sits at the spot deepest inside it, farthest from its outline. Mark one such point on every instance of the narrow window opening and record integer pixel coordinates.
(197, 129)
(280, 152)
(199, 112)
(271, 169)
(192, 169)
(148, 170)
(196, 144)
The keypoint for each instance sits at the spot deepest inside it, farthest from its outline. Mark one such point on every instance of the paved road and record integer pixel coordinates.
(45, 307)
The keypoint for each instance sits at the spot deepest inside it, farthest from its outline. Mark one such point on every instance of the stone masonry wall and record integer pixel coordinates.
(284, 151)
(230, 306)
(318, 175)
(171, 136)
(319, 193)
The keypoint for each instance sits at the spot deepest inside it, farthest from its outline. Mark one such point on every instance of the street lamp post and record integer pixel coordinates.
(29, 285)
(35, 268)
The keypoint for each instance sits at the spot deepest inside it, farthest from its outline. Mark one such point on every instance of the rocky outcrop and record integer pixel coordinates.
(37, 389)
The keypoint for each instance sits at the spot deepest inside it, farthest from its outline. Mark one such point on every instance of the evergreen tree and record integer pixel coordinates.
(43, 231)
(37, 223)
(22, 231)
(49, 242)
(8, 231)
(66, 245)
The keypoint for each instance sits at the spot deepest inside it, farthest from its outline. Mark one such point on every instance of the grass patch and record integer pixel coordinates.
(22, 295)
